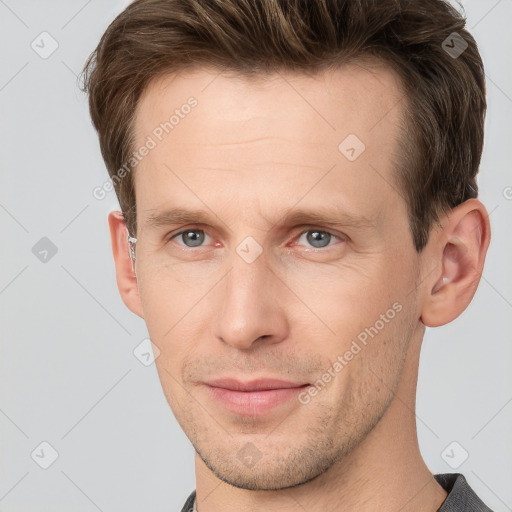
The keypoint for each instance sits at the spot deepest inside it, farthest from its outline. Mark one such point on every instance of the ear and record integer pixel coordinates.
(125, 274)
(457, 254)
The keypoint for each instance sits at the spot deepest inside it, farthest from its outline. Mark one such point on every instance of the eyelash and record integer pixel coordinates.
(340, 237)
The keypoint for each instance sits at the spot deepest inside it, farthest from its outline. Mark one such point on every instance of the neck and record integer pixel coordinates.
(385, 472)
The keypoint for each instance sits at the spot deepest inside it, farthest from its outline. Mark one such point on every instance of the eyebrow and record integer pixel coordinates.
(178, 216)
(329, 216)
(289, 218)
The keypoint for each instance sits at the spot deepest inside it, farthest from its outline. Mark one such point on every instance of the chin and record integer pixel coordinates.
(268, 473)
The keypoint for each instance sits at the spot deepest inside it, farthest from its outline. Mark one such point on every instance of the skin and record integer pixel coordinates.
(250, 152)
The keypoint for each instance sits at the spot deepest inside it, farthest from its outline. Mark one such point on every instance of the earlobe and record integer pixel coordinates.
(125, 274)
(459, 250)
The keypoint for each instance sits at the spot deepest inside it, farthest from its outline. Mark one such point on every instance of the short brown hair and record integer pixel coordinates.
(445, 91)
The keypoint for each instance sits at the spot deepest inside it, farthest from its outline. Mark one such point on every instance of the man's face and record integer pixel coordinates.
(251, 289)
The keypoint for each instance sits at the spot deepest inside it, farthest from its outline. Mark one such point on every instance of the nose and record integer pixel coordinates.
(250, 306)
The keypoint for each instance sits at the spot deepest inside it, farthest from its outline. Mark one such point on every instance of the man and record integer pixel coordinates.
(298, 195)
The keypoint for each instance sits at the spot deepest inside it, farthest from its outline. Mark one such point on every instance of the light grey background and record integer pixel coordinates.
(68, 373)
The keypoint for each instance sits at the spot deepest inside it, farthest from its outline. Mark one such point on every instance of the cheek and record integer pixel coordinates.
(372, 369)
(170, 313)
(348, 299)
(169, 293)
(371, 319)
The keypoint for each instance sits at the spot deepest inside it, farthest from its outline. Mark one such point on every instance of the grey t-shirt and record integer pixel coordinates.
(461, 498)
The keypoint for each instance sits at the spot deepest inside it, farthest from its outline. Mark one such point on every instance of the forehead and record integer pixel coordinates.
(357, 96)
(275, 132)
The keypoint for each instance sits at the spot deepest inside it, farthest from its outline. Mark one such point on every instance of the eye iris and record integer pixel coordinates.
(318, 238)
(195, 238)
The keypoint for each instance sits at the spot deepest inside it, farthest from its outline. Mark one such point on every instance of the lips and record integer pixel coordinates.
(256, 397)
(254, 385)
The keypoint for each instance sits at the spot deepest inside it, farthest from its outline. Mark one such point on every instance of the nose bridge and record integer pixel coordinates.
(248, 306)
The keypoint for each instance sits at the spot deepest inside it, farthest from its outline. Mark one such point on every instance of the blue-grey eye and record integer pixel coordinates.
(192, 238)
(317, 239)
